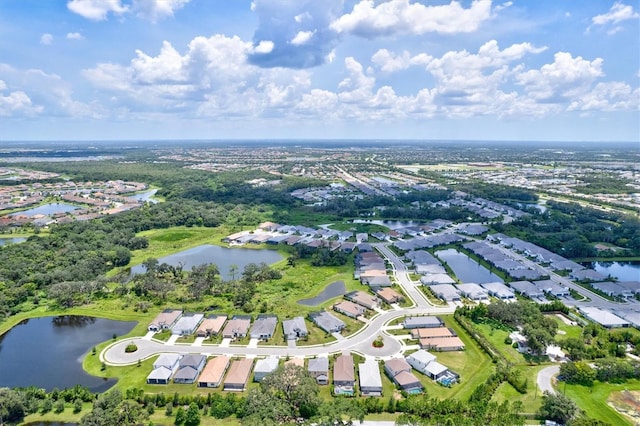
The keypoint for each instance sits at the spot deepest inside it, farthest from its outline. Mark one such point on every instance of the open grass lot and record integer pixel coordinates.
(565, 330)
(532, 399)
(496, 336)
(594, 400)
(67, 416)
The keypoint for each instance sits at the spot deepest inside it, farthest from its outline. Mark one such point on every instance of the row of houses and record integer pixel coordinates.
(516, 270)
(473, 291)
(400, 371)
(238, 327)
(428, 242)
(370, 269)
(432, 334)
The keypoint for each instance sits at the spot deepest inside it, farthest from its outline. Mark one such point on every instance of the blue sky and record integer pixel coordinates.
(560, 70)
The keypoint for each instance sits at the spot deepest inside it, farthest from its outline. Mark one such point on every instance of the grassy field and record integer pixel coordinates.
(532, 399)
(496, 336)
(594, 400)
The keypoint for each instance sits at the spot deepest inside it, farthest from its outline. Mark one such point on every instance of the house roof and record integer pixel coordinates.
(186, 373)
(369, 374)
(266, 365)
(167, 360)
(212, 324)
(326, 321)
(239, 371)
(428, 333)
(264, 325)
(192, 360)
(320, 364)
(294, 326)
(442, 342)
(422, 356)
(160, 373)
(498, 289)
(397, 364)
(406, 378)
(214, 370)
(350, 307)
(237, 325)
(422, 321)
(362, 298)
(602, 317)
(435, 368)
(188, 322)
(166, 317)
(388, 294)
(343, 369)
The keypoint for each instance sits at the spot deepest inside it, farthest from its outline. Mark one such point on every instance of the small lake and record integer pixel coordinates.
(146, 196)
(47, 210)
(391, 224)
(4, 241)
(623, 271)
(466, 269)
(222, 257)
(47, 352)
(332, 290)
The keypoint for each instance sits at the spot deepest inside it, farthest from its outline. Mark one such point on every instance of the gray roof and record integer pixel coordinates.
(445, 291)
(186, 373)
(320, 365)
(167, 360)
(369, 374)
(188, 323)
(192, 360)
(527, 288)
(160, 373)
(413, 322)
(264, 325)
(473, 291)
(294, 327)
(499, 290)
(266, 365)
(603, 317)
(326, 321)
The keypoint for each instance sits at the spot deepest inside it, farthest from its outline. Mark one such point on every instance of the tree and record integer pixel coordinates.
(12, 408)
(192, 418)
(286, 394)
(577, 372)
(181, 416)
(557, 407)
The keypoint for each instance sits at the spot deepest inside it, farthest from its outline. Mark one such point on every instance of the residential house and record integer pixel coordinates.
(431, 333)
(238, 375)
(187, 324)
(327, 322)
(189, 368)
(370, 380)
(213, 372)
(163, 368)
(473, 291)
(389, 295)
(165, 320)
(442, 344)
(211, 325)
(350, 309)
(318, 368)
(420, 359)
(499, 290)
(399, 370)
(343, 376)
(294, 328)
(422, 322)
(263, 327)
(237, 327)
(446, 292)
(363, 299)
(376, 281)
(264, 367)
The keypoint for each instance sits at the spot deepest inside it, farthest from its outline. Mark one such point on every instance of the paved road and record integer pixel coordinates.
(360, 342)
(545, 377)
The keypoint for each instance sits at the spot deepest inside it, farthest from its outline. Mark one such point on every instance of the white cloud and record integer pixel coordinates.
(74, 36)
(97, 10)
(564, 79)
(619, 12)
(400, 16)
(154, 10)
(16, 103)
(46, 39)
(302, 37)
(264, 47)
(389, 62)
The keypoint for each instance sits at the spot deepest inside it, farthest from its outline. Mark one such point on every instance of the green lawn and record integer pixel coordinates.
(532, 399)
(496, 336)
(594, 400)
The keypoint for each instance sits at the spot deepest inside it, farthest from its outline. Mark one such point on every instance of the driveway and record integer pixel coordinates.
(545, 378)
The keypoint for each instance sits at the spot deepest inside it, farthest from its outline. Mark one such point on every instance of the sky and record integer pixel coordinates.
(548, 70)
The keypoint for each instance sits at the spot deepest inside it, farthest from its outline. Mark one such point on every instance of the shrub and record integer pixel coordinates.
(131, 347)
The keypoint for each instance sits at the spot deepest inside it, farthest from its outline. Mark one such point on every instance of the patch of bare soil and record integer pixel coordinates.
(627, 403)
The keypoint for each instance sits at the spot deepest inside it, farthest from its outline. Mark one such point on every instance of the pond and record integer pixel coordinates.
(334, 289)
(47, 352)
(47, 210)
(466, 269)
(623, 271)
(4, 241)
(222, 257)
(146, 196)
(391, 224)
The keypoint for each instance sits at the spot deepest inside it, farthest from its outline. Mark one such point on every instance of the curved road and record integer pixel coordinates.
(545, 378)
(360, 342)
